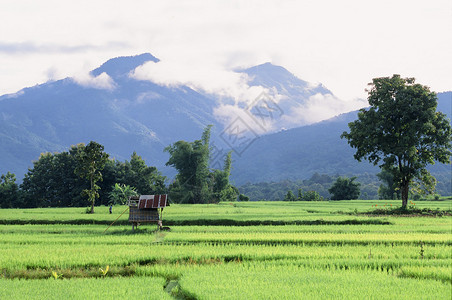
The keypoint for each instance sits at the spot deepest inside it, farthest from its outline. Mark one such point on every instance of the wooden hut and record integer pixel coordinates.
(146, 209)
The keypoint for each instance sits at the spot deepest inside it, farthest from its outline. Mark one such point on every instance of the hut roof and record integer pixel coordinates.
(152, 201)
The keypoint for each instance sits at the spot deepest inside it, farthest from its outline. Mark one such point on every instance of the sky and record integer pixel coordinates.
(341, 44)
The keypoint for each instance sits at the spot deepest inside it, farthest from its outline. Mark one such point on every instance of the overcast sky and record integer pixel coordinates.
(342, 44)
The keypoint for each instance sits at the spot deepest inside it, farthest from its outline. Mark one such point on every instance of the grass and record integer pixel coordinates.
(281, 250)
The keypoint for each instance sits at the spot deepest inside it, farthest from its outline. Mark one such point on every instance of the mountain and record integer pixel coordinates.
(285, 83)
(133, 116)
(121, 112)
(122, 66)
(125, 115)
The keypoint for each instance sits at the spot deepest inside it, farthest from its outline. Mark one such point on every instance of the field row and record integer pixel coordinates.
(282, 211)
(233, 281)
(63, 247)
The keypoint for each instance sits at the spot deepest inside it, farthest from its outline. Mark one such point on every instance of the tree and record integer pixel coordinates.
(191, 159)
(52, 181)
(312, 196)
(91, 160)
(243, 198)
(222, 190)
(147, 180)
(401, 131)
(300, 195)
(121, 193)
(344, 189)
(195, 183)
(9, 191)
(388, 188)
(290, 196)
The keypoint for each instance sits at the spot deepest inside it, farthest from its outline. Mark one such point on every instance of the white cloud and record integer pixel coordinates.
(212, 78)
(102, 81)
(343, 44)
(318, 108)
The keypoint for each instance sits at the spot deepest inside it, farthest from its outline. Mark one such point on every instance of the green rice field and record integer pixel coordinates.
(244, 250)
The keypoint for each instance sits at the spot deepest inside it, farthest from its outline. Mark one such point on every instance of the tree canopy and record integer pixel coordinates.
(8, 190)
(53, 182)
(401, 131)
(195, 182)
(344, 189)
(91, 161)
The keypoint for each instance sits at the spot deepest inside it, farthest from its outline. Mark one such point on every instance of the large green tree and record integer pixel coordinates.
(91, 160)
(191, 160)
(195, 182)
(52, 181)
(344, 189)
(401, 131)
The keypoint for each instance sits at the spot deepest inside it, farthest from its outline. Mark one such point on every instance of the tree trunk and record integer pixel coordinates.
(92, 197)
(405, 187)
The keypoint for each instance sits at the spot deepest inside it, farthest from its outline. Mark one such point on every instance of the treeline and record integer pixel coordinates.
(85, 175)
(315, 188)
(54, 182)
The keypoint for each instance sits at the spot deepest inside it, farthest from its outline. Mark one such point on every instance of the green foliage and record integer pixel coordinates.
(277, 190)
(222, 190)
(91, 160)
(9, 190)
(344, 189)
(318, 183)
(424, 184)
(290, 196)
(121, 193)
(401, 131)
(388, 188)
(191, 161)
(194, 182)
(243, 198)
(311, 196)
(52, 182)
(147, 180)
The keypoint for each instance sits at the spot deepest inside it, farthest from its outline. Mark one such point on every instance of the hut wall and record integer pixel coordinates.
(150, 215)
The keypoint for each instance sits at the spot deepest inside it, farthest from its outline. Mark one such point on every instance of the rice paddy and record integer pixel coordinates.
(336, 250)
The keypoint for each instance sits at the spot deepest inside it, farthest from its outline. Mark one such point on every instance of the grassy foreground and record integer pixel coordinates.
(312, 250)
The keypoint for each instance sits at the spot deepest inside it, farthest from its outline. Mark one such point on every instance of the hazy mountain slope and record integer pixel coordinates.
(120, 112)
(300, 152)
(134, 116)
